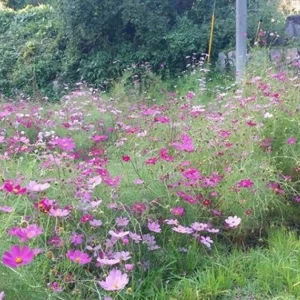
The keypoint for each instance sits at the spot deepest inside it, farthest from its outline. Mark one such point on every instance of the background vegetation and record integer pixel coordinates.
(44, 46)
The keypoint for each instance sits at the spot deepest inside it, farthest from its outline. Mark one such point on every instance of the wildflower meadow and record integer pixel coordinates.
(128, 196)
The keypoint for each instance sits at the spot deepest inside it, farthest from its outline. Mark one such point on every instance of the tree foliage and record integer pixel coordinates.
(95, 40)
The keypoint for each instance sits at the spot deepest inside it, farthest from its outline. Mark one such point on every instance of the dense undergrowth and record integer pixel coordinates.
(154, 195)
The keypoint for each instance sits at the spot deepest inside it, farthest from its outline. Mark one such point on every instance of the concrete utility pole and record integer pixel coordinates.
(241, 38)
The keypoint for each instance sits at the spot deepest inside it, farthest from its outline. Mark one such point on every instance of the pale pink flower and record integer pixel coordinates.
(108, 261)
(154, 226)
(119, 235)
(33, 186)
(115, 281)
(58, 212)
(207, 241)
(233, 222)
(6, 209)
(183, 229)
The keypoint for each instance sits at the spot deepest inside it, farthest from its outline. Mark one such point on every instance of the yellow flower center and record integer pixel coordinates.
(78, 259)
(18, 260)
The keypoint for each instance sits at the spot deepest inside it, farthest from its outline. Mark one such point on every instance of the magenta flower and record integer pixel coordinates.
(126, 158)
(99, 138)
(17, 256)
(164, 155)
(151, 161)
(14, 189)
(138, 207)
(178, 211)
(291, 141)
(85, 218)
(26, 234)
(192, 174)
(115, 281)
(245, 183)
(78, 257)
(186, 144)
(66, 144)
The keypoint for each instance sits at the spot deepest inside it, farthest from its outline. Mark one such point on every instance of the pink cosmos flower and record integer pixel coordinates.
(186, 144)
(55, 287)
(164, 155)
(161, 119)
(2, 295)
(171, 222)
(122, 221)
(118, 234)
(188, 198)
(122, 256)
(291, 141)
(59, 212)
(95, 223)
(190, 95)
(115, 281)
(138, 181)
(112, 181)
(245, 183)
(66, 144)
(207, 241)
(6, 209)
(135, 237)
(56, 241)
(128, 268)
(183, 229)
(138, 207)
(17, 256)
(191, 174)
(154, 226)
(126, 158)
(13, 189)
(78, 257)
(233, 222)
(44, 205)
(33, 186)
(151, 161)
(26, 234)
(199, 226)
(108, 261)
(99, 138)
(178, 211)
(85, 218)
(76, 238)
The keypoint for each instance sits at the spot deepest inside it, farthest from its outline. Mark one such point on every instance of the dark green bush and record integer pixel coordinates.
(97, 40)
(31, 50)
